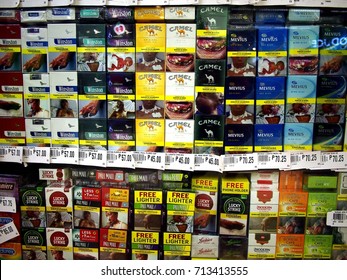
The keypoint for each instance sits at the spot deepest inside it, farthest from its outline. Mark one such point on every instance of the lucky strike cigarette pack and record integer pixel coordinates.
(206, 202)
(34, 244)
(59, 244)
(145, 245)
(85, 244)
(234, 206)
(113, 244)
(54, 174)
(177, 246)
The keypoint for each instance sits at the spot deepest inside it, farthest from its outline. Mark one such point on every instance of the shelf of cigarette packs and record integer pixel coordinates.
(95, 213)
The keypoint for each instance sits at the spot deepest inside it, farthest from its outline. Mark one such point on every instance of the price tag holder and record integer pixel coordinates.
(333, 160)
(274, 160)
(149, 160)
(37, 155)
(238, 162)
(205, 162)
(179, 162)
(8, 232)
(337, 218)
(120, 159)
(92, 157)
(305, 160)
(11, 154)
(64, 155)
(8, 204)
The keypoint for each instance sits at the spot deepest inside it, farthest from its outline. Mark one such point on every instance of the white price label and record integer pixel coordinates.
(8, 204)
(333, 160)
(179, 162)
(305, 160)
(152, 2)
(92, 157)
(64, 155)
(11, 154)
(120, 159)
(238, 162)
(274, 160)
(8, 232)
(205, 162)
(337, 218)
(37, 154)
(149, 160)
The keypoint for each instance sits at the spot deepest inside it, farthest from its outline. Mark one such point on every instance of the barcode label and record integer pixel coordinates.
(240, 162)
(93, 157)
(274, 160)
(149, 160)
(64, 155)
(179, 162)
(263, 158)
(229, 159)
(8, 232)
(333, 160)
(208, 163)
(11, 154)
(37, 154)
(337, 218)
(120, 159)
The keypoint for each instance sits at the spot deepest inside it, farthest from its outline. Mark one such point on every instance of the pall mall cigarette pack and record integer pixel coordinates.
(85, 244)
(177, 246)
(145, 245)
(113, 244)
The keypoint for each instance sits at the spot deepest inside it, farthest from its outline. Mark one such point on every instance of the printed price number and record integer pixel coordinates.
(64, 155)
(150, 160)
(222, 270)
(208, 163)
(275, 160)
(11, 154)
(93, 157)
(240, 162)
(8, 231)
(8, 204)
(37, 154)
(120, 159)
(179, 162)
(337, 218)
(305, 160)
(333, 160)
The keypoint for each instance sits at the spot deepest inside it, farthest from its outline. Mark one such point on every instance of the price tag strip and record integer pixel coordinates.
(37, 155)
(337, 218)
(64, 155)
(179, 162)
(238, 162)
(8, 204)
(11, 154)
(149, 160)
(93, 157)
(120, 159)
(333, 160)
(274, 160)
(305, 160)
(205, 162)
(8, 232)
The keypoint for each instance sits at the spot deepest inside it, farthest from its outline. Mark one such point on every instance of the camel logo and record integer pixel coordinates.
(181, 32)
(150, 32)
(180, 80)
(179, 13)
(150, 80)
(180, 127)
(209, 133)
(210, 79)
(150, 126)
(211, 22)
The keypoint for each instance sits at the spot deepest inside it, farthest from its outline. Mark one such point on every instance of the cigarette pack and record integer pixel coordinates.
(34, 244)
(113, 244)
(85, 244)
(145, 245)
(177, 246)
(59, 244)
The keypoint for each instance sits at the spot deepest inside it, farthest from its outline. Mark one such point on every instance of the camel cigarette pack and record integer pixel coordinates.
(33, 205)
(290, 246)
(15, 218)
(331, 48)
(150, 85)
(34, 43)
(211, 21)
(10, 251)
(150, 37)
(11, 44)
(210, 76)
(115, 200)
(180, 207)
(148, 210)
(65, 132)
(328, 137)
(301, 99)
(59, 206)
(113, 244)
(233, 248)
(179, 136)
(121, 135)
(268, 137)
(319, 203)
(205, 246)
(180, 13)
(272, 50)
(150, 133)
(59, 244)
(34, 244)
(145, 244)
(298, 136)
(12, 132)
(87, 200)
(234, 206)
(208, 134)
(85, 244)
(151, 14)
(303, 49)
(318, 247)
(93, 133)
(62, 41)
(238, 138)
(206, 203)
(93, 83)
(116, 14)
(177, 246)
